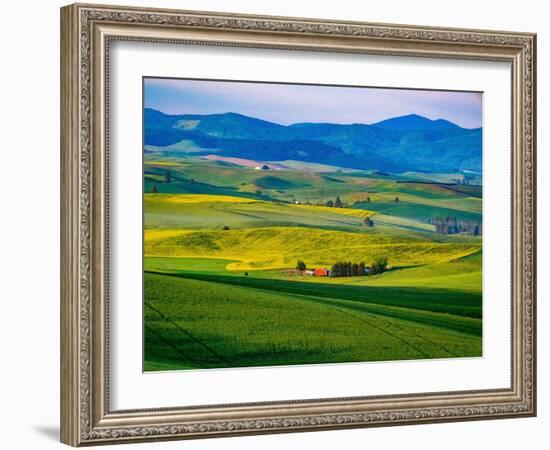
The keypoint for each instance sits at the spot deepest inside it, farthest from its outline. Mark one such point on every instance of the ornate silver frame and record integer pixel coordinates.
(86, 31)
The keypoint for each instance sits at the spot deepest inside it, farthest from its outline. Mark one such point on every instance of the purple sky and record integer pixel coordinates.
(288, 103)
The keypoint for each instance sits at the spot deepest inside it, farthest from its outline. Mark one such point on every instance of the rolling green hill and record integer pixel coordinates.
(235, 326)
(216, 211)
(418, 201)
(281, 247)
(223, 236)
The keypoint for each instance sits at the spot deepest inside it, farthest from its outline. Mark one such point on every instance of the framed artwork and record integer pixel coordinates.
(274, 224)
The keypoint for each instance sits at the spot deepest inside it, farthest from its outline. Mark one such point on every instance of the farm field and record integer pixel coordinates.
(220, 277)
(201, 324)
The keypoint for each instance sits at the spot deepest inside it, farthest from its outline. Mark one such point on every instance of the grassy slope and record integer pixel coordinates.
(441, 300)
(462, 274)
(417, 211)
(215, 211)
(200, 324)
(465, 276)
(279, 247)
(433, 297)
(219, 177)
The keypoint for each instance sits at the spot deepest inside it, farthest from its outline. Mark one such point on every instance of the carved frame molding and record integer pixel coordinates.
(86, 32)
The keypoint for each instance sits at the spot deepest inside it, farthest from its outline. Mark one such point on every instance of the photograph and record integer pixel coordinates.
(297, 224)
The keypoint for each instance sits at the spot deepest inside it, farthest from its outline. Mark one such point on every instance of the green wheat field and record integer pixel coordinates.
(222, 242)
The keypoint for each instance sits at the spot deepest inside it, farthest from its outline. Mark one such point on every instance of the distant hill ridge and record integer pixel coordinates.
(413, 122)
(411, 142)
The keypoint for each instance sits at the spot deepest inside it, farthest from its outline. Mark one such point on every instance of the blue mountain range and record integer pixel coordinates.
(399, 144)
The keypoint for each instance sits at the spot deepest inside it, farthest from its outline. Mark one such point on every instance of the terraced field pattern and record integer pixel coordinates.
(223, 237)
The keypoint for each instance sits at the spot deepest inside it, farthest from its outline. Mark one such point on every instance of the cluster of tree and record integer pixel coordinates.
(368, 200)
(351, 269)
(452, 225)
(347, 269)
(337, 203)
(379, 265)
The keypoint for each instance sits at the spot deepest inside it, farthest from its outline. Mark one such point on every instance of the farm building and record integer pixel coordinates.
(310, 272)
(321, 272)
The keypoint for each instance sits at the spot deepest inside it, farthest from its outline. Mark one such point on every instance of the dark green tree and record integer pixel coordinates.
(379, 265)
(348, 269)
(154, 189)
(301, 266)
(338, 203)
(168, 177)
(336, 270)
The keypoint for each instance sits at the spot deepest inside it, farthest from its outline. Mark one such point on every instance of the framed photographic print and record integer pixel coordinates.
(275, 224)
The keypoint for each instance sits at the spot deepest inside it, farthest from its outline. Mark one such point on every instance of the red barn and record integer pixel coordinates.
(321, 272)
